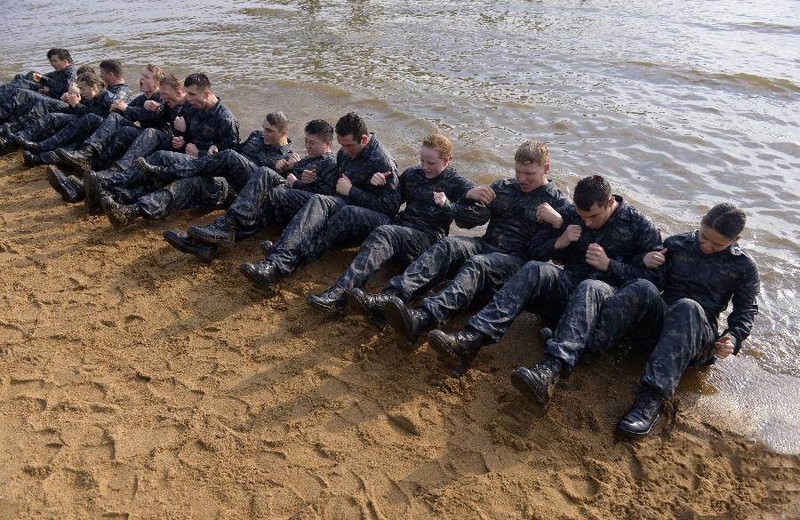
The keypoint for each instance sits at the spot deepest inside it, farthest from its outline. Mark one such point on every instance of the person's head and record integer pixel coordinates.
(318, 138)
(720, 228)
(531, 164)
(89, 85)
(111, 71)
(59, 58)
(594, 202)
(275, 128)
(83, 69)
(435, 154)
(172, 91)
(150, 79)
(352, 134)
(198, 89)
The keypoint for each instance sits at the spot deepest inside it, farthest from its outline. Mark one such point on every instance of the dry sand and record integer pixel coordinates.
(136, 382)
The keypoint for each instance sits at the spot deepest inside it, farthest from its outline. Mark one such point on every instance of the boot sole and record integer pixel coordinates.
(177, 244)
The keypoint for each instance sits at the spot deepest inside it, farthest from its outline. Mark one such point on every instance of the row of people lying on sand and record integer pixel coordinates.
(596, 268)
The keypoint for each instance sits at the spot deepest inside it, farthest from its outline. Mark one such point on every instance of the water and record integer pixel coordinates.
(681, 104)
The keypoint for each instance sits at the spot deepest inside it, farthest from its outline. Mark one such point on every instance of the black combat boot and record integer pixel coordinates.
(183, 243)
(76, 186)
(369, 304)
(6, 146)
(333, 299)
(222, 232)
(411, 322)
(262, 274)
(644, 414)
(93, 187)
(151, 171)
(25, 144)
(31, 159)
(58, 181)
(81, 159)
(119, 215)
(538, 382)
(457, 351)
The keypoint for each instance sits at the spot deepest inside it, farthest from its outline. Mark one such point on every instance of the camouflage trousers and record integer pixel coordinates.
(228, 163)
(473, 265)
(539, 287)
(325, 221)
(387, 242)
(682, 333)
(202, 193)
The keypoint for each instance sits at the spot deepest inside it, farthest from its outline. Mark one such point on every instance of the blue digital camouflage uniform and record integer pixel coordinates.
(320, 224)
(578, 289)
(56, 81)
(485, 263)
(419, 225)
(682, 321)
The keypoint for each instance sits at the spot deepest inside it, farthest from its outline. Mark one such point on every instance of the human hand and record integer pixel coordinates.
(37, 77)
(343, 186)
(179, 124)
(151, 105)
(293, 159)
(546, 213)
(119, 105)
(308, 176)
(439, 198)
(71, 99)
(291, 179)
(596, 257)
(213, 149)
(482, 194)
(178, 143)
(379, 179)
(723, 347)
(191, 149)
(44, 90)
(570, 235)
(655, 259)
(281, 165)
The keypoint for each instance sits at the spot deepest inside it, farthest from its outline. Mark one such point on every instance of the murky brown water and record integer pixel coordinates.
(682, 104)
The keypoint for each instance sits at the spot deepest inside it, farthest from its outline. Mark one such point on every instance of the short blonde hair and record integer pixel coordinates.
(532, 152)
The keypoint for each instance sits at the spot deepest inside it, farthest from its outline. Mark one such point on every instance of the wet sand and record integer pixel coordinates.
(136, 382)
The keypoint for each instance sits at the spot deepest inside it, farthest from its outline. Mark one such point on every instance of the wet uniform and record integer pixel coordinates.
(57, 81)
(682, 321)
(484, 263)
(320, 224)
(577, 290)
(419, 225)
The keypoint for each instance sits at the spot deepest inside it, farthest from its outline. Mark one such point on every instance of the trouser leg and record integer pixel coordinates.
(541, 287)
(578, 320)
(479, 273)
(637, 309)
(686, 339)
(385, 243)
(204, 193)
(433, 265)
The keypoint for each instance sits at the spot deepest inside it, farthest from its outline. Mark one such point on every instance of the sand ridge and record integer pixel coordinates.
(136, 382)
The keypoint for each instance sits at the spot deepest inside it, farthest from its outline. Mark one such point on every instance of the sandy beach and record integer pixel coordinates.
(136, 382)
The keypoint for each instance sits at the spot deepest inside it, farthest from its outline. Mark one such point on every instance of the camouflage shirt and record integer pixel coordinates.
(147, 119)
(327, 174)
(712, 281)
(58, 81)
(626, 236)
(215, 126)
(513, 228)
(373, 158)
(262, 154)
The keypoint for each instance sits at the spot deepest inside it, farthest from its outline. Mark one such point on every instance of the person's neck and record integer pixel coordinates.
(284, 141)
(150, 93)
(115, 82)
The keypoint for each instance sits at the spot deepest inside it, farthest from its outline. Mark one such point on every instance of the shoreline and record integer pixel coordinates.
(136, 381)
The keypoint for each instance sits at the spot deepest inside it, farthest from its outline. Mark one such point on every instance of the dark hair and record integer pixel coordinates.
(199, 80)
(90, 79)
(321, 129)
(351, 124)
(112, 67)
(278, 120)
(83, 69)
(62, 54)
(590, 191)
(172, 81)
(726, 219)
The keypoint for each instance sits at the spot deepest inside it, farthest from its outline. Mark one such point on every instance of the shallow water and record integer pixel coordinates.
(681, 104)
